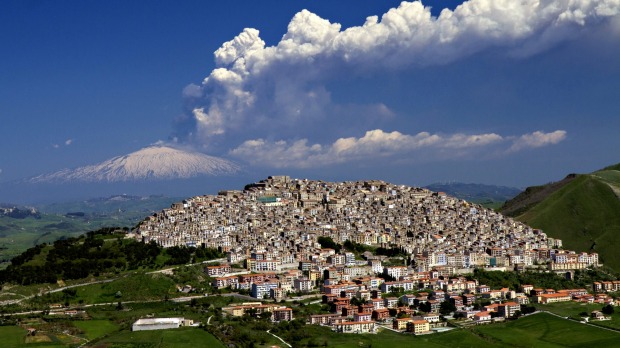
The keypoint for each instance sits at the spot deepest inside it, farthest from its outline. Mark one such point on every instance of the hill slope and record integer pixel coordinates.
(583, 210)
(47, 223)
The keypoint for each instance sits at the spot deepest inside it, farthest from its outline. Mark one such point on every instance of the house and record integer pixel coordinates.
(431, 318)
(349, 311)
(262, 289)
(222, 282)
(377, 303)
(480, 289)
(282, 314)
(216, 271)
(408, 299)
(465, 313)
(355, 327)
(323, 319)
(277, 293)
(468, 299)
(527, 288)
(482, 317)
(366, 308)
(508, 309)
(381, 314)
(435, 305)
(390, 302)
(551, 298)
(418, 327)
(522, 299)
(362, 316)
(401, 324)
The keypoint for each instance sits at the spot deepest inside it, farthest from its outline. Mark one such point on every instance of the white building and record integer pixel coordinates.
(160, 323)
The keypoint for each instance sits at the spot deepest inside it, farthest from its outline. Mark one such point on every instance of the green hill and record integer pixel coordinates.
(583, 210)
(26, 227)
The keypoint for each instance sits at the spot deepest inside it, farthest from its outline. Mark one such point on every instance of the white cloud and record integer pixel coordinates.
(55, 146)
(68, 142)
(380, 144)
(537, 139)
(260, 91)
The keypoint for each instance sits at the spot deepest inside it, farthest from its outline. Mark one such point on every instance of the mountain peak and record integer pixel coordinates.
(153, 162)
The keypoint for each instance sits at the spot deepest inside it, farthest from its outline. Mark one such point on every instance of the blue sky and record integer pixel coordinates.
(494, 92)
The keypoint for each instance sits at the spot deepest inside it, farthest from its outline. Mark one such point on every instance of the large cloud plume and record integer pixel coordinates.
(275, 93)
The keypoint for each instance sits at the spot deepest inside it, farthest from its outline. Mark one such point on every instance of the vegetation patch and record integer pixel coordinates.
(12, 336)
(96, 328)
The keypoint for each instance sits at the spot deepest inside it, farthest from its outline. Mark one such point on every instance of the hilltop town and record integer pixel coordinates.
(275, 224)
(281, 236)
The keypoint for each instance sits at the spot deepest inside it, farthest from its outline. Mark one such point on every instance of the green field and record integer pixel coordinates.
(128, 287)
(546, 330)
(15, 337)
(95, 328)
(12, 336)
(456, 338)
(574, 311)
(181, 338)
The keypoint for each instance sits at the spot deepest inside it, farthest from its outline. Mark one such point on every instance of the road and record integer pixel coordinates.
(281, 340)
(165, 271)
(8, 302)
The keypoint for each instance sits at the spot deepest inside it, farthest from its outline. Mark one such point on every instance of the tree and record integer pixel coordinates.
(328, 242)
(447, 307)
(608, 309)
(402, 315)
(525, 309)
(265, 315)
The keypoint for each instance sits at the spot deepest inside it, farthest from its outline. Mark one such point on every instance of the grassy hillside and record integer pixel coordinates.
(71, 219)
(532, 196)
(584, 212)
(17, 235)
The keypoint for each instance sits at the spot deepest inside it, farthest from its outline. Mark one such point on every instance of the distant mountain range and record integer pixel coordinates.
(581, 209)
(155, 162)
(490, 196)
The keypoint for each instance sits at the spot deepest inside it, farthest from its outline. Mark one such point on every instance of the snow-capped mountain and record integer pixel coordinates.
(152, 162)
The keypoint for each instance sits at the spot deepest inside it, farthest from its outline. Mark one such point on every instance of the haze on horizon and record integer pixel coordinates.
(487, 91)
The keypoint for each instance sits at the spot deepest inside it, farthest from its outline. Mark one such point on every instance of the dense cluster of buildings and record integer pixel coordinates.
(275, 224)
(272, 229)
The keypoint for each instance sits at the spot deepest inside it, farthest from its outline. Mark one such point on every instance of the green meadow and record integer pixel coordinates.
(177, 338)
(546, 330)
